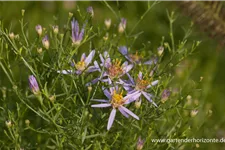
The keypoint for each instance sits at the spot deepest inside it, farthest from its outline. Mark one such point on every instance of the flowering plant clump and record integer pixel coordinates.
(79, 78)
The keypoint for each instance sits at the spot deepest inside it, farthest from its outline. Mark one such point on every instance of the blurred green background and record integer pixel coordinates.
(208, 60)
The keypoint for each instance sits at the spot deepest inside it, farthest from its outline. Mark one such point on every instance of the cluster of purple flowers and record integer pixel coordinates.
(114, 72)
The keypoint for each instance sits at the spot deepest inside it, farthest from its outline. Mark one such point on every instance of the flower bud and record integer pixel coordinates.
(22, 12)
(90, 11)
(11, 36)
(8, 124)
(70, 15)
(33, 84)
(39, 29)
(52, 98)
(160, 50)
(55, 29)
(194, 113)
(89, 88)
(106, 36)
(45, 42)
(122, 25)
(27, 122)
(4, 92)
(140, 144)
(138, 103)
(39, 50)
(107, 23)
(165, 95)
(17, 36)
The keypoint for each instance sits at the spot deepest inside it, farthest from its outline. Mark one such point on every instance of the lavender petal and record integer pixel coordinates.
(101, 105)
(90, 57)
(123, 112)
(149, 98)
(129, 112)
(111, 118)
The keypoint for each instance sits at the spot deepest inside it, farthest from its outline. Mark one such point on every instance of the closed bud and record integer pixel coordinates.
(165, 95)
(90, 11)
(11, 36)
(122, 25)
(70, 15)
(17, 36)
(140, 144)
(45, 42)
(89, 88)
(33, 84)
(106, 36)
(55, 29)
(8, 124)
(27, 122)
(201, 78)
(107, 23)
(52, 98)
(39, 50)
(22, 12)
(194, 113)
(39, 29)
(138, 103)
(160, 50)
(4, 92)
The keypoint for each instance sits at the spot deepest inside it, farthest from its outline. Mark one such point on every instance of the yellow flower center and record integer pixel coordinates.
(115, 69)
(80, 65)
(141, 84)
(117, 99)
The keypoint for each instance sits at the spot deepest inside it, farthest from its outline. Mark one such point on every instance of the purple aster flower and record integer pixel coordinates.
(33, 84)
(45, 42)
(116, 101)
(77, 35)
(122, 25)
(39, 29)
(90, 11)
(135, 58)
(82, 65)
(139, 86)
(112, 69)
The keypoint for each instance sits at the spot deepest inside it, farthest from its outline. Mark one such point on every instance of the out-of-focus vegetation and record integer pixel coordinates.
(207, 62)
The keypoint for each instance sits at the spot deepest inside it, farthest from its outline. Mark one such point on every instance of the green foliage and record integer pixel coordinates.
(60, 115)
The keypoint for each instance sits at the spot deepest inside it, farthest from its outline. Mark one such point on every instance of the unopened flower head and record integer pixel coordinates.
(90, 11)
(194, 113)
(45, 42)
(55, 29)
(39, 29)
(108, 23)
(116, 101)
(160, 50)
(11, 36)
(122, 25)
(106, 36)
(8, 123)
(165, 95)
(33, 84)
(140, 144)
(77, 35)
(138, 103)
(39, 50)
